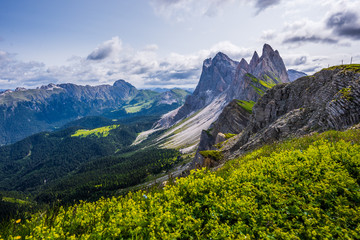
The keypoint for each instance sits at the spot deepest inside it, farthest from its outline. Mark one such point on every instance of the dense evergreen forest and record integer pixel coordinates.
(85, 160)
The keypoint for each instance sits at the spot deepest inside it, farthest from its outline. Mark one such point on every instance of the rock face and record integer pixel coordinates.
(28, 111)
(232, 120)
(216, 77)
(221, 81)
(330, 99)
(293, 74)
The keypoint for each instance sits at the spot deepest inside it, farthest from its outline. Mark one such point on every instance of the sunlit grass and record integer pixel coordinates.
(98, 132)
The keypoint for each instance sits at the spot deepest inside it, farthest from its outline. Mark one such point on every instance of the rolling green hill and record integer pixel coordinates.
(305, 188)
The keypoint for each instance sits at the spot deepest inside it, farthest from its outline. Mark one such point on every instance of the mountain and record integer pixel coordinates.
(221, 81)
(293, 74)
(327, 100)
(161, 90)
(28, 111)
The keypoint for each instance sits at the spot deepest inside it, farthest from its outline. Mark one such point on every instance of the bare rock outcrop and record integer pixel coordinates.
(330, 99)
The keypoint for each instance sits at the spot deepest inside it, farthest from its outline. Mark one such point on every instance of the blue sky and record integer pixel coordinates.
(162, 43)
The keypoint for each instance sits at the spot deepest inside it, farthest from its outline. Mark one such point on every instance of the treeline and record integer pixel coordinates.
(54, 167)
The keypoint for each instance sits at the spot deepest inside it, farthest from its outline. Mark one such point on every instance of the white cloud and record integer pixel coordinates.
(106, 49)
(110, 62)
(183, 9)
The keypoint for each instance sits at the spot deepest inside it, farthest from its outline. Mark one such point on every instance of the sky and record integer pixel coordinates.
(163, 43)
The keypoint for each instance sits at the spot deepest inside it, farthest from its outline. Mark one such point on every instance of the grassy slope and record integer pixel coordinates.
(98, 132)
(300, 189)
(247, 105)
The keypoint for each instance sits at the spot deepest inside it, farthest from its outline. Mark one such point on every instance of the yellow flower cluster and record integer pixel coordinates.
(308, 193)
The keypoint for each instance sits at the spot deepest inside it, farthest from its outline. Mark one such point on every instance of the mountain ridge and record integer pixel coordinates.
(28, 111)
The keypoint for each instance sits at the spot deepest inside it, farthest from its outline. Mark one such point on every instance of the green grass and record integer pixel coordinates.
(229, 135)
(213, 154)
(247, 105)
(305, 188)
(98, 132)
(269, 83)
(346, 67)
(346, 94)
(15, 200)
(138, 106)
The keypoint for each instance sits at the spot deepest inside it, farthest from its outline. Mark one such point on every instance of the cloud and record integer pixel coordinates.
(261, 5)
(151, 47)
(183, 9)
(339, 24)
(268, 35)
(301, 60)
(309, 39)
(141, 67)
(106, 49)
(344, 24)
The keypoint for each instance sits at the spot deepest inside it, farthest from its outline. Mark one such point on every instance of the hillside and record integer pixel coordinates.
(299, 189)
(92, 157)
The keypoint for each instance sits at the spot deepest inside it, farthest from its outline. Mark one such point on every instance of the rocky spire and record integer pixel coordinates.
(270, 65)
(243, 65)
(254, 60)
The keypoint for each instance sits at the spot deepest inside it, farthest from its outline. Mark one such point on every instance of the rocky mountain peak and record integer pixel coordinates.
(217, 74)
(243, 65)
(268, 50)
(122, 83)
(270, 66)
(223, 80)
(254, 60)
(221, 57)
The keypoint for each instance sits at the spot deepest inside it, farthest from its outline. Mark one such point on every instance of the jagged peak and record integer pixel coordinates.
(221, 57)
(243, 64)
(254, 60)
(122, 82)
(267, 49)
(20, 89)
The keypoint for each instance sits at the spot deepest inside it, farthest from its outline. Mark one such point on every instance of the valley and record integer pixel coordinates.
(234, 158)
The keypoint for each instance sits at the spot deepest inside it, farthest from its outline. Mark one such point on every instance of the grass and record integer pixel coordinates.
(212, 154)
(98, 132)
(15, 200)
(346, 67)
(346, 94)
(247, 105)
(229, 135)
(138, 106)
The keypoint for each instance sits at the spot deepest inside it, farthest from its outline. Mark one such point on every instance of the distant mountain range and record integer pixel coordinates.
(293, 74)
(28, 111)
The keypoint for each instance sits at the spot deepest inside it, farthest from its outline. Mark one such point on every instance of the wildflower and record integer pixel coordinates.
(145, 196)
(18, 221)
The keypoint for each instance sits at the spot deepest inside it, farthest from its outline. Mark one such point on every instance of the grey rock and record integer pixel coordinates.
(330, 99)
(233, 119)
